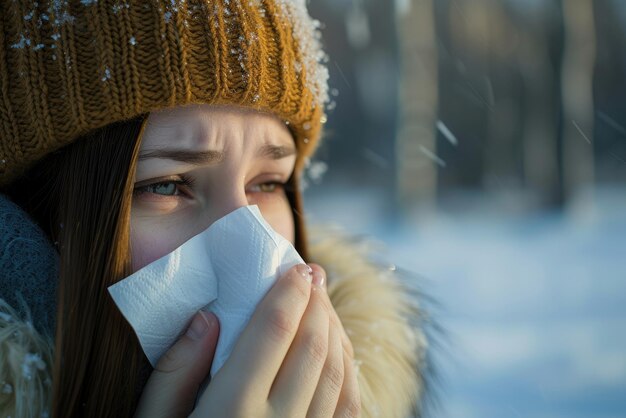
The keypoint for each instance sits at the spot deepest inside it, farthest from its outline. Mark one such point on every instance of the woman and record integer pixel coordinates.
(128, 128)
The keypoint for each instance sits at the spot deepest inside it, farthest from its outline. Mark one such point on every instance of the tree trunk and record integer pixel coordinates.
(541, 130)
(577, 95)
(418, 99)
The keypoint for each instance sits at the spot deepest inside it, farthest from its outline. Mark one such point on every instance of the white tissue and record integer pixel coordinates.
(226, 269)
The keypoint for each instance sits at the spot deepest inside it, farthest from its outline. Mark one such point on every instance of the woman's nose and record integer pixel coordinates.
(232, 198)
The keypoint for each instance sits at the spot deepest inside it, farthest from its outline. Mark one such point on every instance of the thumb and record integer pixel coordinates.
(173, 385)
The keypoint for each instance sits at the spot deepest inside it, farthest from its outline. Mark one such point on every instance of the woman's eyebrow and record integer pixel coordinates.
(275, 152)
(185, 156)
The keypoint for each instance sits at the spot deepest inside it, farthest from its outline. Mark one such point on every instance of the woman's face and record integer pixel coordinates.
(199, 163)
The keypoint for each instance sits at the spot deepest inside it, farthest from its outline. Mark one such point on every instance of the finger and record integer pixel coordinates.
(349, 404)
(319, 275)
(297, 378)
(173, 385)
(262, 346)
(331, 380)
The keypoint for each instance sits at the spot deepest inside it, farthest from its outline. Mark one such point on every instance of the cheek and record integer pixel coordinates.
(280, 218)
(148, 243)
(152, 238)
(145, 248)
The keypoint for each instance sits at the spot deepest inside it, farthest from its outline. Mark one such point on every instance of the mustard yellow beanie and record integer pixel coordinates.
(68, 67)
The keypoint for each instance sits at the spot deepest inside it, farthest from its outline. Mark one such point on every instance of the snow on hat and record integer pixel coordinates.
(69, 66)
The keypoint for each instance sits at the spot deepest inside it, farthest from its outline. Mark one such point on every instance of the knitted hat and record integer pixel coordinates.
(68, 67)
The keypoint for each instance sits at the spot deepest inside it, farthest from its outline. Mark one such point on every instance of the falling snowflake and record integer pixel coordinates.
(432, 156)
(441, 127)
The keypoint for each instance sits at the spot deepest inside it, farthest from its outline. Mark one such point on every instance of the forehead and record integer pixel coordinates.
(212, 127)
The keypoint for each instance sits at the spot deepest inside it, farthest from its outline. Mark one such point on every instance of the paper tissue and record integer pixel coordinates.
(226, 269)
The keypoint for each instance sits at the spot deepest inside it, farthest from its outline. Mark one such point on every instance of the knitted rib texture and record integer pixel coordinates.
(68, 67)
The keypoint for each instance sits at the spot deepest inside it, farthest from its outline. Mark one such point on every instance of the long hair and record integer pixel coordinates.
(81, 196)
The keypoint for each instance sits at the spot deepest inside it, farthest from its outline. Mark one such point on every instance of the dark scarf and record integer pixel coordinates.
(29, 267)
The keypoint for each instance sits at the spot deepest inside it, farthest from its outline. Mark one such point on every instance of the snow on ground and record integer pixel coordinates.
(534, 304)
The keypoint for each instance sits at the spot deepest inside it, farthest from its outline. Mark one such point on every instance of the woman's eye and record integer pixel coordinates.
(269, 187)
(166, 188)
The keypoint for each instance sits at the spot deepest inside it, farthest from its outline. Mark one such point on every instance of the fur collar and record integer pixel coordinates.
(376, 308)
(381, 316)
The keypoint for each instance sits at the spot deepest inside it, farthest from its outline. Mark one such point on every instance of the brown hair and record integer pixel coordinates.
(81, 196)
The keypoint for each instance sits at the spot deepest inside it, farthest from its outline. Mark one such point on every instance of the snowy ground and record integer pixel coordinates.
(534, 304)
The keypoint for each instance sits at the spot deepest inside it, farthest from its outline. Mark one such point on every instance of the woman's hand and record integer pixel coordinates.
(292, 360)
(172, 387)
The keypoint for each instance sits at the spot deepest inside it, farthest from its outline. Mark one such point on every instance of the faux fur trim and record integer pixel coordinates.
(382, 319)
(376, 309)
(25, 366)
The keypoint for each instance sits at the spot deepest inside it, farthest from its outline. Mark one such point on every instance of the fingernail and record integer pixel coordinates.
(199, 327)
(305, 271)
(318, 278)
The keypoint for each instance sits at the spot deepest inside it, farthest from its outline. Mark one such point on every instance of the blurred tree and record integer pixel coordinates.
(492, 39)
(541, 90)
(464, 99)
(418, 99)
(609, 93)
(577, 95)
(457, 96)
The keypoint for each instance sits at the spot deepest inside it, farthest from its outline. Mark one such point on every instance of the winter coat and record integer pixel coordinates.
(375, 307)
